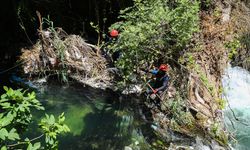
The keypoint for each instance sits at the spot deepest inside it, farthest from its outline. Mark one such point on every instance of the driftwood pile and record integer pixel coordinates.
(68, 56)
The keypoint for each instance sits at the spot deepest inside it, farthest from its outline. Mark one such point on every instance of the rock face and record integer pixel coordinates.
(195, 110)
(203, 64)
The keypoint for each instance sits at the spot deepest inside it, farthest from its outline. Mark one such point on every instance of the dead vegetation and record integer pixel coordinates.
(204, 60)
(241, 19)
(68, 56)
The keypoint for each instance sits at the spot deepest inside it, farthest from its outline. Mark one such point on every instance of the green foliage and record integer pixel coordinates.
(97, 30)
(59, 46)
(4, 127)
(218, 133)
(221, 103)
(179, 114)
(151, 29)
(206, 82)
(15, 116)
(207, 3)
(233, 46)
(52, 128)
(192, 65)
(17, 105)
(34, 147)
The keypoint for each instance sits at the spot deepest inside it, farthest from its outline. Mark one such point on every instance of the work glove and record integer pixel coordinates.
(155, 91)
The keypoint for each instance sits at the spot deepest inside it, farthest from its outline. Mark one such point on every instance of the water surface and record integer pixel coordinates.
(236, 83)
(98, 120)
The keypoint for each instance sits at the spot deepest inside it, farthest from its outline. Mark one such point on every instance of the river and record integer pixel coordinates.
(102, 120)
(236, 84)
(98, 120)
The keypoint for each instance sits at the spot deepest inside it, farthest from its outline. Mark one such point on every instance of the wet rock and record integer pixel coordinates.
(199, 145)
(132, 89)
(216, 146)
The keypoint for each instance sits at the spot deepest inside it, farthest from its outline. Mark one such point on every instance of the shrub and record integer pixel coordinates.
(15, 116)
(152, 29)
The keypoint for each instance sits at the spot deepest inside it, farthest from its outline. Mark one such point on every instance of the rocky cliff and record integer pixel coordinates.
(196, 108)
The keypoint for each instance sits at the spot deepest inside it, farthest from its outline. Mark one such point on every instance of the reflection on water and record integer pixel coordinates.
(97, 120)
(236, 83)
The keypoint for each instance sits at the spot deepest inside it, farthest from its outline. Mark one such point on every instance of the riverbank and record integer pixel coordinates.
(194, 107)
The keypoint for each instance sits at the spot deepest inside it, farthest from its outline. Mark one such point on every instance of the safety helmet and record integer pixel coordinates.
(114, 33)
(163, 67)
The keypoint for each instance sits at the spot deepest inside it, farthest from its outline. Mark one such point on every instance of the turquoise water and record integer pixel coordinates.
(98, 120)
(236, 83)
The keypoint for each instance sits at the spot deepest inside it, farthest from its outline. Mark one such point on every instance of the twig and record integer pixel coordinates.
(14, 66)
(93, 46)
(20, 143)
(26, 34)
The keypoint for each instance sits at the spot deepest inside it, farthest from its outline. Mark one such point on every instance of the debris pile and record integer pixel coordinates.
(69, 56)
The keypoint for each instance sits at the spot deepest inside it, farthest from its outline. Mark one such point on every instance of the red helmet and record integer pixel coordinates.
(114, 33)
(163, 67)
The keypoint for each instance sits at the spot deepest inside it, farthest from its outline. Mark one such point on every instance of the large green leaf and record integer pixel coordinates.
(5, 105)
(13, 135)
(51, 119)
(37, 145)
(3, 133)
(34, 147)
(6, 120)
(4, 148)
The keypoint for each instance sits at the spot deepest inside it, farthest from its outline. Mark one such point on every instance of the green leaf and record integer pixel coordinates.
(6, 120)
(5, 105)
(3, 133)
(51, 119)
(30, 147)
(13, 135)
(61, 118)
(5, 88)
(37, 146)
(3, 96)
(10, 92)
(66, 128)
(4, 148)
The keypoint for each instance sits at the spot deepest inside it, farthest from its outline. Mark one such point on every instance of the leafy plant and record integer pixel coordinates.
(17, 105)
(59, 46)
(151, 30)
(232, 46)
(52, 128)
(4, 133)
(221, 103)
(15, 116)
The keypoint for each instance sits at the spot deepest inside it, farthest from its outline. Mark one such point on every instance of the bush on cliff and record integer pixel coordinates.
(153, 30)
